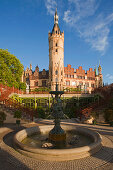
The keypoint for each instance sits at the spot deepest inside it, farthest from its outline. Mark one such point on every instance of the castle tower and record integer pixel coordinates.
(56, 56)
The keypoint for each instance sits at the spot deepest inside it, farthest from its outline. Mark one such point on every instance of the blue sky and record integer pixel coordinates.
(87, 25)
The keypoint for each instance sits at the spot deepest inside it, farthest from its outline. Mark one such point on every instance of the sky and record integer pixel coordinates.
(87, 25)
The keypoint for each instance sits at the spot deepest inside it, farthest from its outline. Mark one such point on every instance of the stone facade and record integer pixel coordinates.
(65, 77)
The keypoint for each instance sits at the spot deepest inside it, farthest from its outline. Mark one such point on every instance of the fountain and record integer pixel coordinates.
(54, 143)
(57, 135)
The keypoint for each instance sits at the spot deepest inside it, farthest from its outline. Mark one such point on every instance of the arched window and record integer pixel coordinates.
(56, 72)
(56, 32)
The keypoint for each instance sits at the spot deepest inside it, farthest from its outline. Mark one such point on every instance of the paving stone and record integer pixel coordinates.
(11, 159)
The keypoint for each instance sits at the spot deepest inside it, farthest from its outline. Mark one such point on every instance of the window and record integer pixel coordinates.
(27, 74)
(36, 83)
(56, 72)
(56, 50)
(56, 44)
(73, 83)
(79, 77)
(87, 84)
(27, 79)
(92, 85)
(67, 83)
(56, 32)
(80, 83)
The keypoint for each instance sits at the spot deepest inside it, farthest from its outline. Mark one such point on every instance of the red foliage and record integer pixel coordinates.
(106, 94)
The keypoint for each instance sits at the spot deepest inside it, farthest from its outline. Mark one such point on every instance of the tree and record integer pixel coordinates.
(10, 69)
(22, 86)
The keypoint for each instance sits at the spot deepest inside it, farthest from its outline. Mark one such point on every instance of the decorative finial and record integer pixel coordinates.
(56, 12)
(56, 17)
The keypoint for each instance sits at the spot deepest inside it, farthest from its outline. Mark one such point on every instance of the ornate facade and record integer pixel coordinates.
(66, 77)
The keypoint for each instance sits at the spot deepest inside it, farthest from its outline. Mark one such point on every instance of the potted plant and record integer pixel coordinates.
(2, 117)
(18, 115)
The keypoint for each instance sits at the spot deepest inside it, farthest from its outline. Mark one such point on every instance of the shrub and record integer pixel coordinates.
(95, 115)
(40, 113)
(2, 117)
(108, 115)
(17, 114)
(41, 89)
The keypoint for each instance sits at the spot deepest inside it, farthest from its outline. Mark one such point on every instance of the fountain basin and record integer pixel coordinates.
(57, 154)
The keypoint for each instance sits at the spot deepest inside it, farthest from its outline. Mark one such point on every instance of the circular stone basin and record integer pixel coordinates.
(69, 152)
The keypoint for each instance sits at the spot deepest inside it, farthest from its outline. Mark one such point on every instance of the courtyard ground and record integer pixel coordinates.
(10, 159)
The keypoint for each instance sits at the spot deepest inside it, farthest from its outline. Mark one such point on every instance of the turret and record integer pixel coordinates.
(100, 76)
(30, 66)
(99, 69)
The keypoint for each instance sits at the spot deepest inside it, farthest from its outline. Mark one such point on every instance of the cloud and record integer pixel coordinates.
(92, 26)
(80, 9)
(68, 18)
(109, 76)
(51, 6)
(85, 8)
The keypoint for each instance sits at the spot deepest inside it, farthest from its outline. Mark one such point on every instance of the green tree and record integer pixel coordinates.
(22, 86)
(10, 69)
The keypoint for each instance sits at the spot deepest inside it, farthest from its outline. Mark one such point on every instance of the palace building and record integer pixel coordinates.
(65, 77)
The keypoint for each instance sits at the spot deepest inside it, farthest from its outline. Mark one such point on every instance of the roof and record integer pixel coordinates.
(53, 30)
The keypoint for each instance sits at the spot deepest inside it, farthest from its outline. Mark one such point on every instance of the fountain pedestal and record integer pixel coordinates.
(57, 135)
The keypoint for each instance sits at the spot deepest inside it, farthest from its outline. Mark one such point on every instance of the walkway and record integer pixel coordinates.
(10, 159)
(49, 95)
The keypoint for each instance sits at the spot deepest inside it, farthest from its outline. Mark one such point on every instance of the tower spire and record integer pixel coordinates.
(56, 17)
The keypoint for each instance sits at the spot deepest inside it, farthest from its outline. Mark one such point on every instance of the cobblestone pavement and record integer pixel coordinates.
(10, 159)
